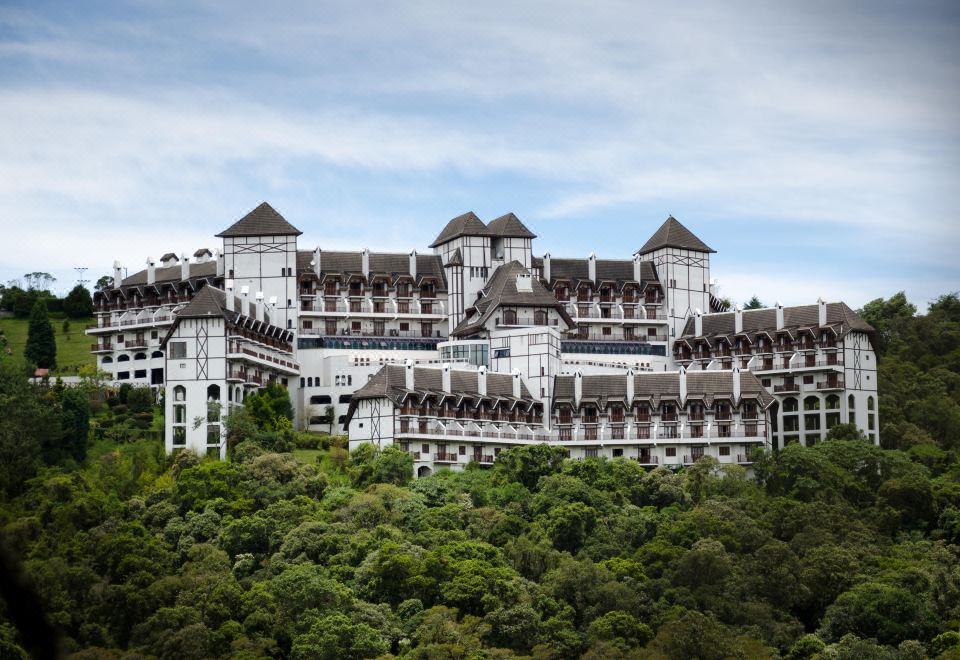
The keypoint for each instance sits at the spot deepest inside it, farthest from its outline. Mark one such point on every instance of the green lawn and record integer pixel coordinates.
(73, 348)
(308, 455)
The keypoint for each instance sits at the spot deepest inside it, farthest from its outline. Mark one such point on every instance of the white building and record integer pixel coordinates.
(479, 300)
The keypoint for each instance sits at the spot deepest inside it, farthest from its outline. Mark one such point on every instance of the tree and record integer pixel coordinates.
(330, 413)
(269, 406)
(39, 281)
(754, 303)
(41, 348)
(75, 410)
(78, 304)
(105, 282)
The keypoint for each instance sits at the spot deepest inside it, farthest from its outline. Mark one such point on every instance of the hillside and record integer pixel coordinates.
(841, 550)
(73, 347)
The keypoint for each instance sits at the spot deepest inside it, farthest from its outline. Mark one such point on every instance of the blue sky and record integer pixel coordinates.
(815, 145)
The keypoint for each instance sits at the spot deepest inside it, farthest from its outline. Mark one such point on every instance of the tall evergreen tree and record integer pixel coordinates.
(754, 303)
(41, 348)
(76, 423)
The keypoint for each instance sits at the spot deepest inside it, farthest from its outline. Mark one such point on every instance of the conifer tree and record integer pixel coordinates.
(41, 348)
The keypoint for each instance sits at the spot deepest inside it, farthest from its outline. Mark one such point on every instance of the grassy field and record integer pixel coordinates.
(73, 348)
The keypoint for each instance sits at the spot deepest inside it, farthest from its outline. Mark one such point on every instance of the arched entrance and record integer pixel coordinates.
(424, 471)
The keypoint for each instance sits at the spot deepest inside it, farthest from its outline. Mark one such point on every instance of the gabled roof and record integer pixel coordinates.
(456, 259)
(674, 234)
(172, 273)
(467, 224)
(390, 382)
(615, 270)
(208, 301)
(501, 291)
(261, 221)
(794, 318)
(509, 226)
(395, 264)
(666, 385)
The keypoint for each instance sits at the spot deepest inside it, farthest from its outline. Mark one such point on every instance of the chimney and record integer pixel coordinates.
(445, 373)
(698, 323)
(516, 383)
(738, 319)
(365, 262)
(577, 388)
(184, 267)
(151, 270)
(261, 316)
(683, 386)
(592, 267)
(636, 268)
(630, 384)
(779, 315)
(413, 265)
(221, 264)
(546, 267)
(228, 289)
(482, 381)
(316, 261)
(117, 274)
(821, 312)
(736, 385)
(524, 283)
(408, 374)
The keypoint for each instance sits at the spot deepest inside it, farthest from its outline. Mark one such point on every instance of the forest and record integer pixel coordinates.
(840, 550)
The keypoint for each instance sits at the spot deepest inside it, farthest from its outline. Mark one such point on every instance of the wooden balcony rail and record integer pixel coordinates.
(135, 343)
(616, 432)
(484, 458)
(443, 457)
(787, 387)
(830, 384)
(646, 459)
(105, 346)
(695, 416)
(668, 417)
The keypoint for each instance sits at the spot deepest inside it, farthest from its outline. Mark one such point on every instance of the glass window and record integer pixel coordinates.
(178, 350)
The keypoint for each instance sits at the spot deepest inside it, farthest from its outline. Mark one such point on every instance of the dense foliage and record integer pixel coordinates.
(842, 550)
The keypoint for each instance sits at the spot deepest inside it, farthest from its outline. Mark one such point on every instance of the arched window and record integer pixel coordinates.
(790, 404)
(302, 381)
(349, 380)
(811, 403)
(123, 358)
(869, 403)
(539, 317)
(509, 317)
(238, 396)
(336, 381)
(179, 415)
(157, 354)
(107, 360)
(213, 403)
(851, 402)
(140, 356)
(832, 402)
(310, 382)
(319, 400)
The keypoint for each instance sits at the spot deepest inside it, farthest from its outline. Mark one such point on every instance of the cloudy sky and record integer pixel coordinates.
(815, 145)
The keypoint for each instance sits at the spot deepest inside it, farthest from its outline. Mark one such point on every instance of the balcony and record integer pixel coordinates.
(831, 384)
(135, 343)
(647, 459)
(101, 347)
(787, 387)
(484, 459)
(444, 457)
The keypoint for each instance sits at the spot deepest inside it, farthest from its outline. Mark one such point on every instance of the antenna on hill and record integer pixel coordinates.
(80, 272)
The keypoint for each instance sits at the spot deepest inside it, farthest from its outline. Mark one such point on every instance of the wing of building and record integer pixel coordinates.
(474, 344)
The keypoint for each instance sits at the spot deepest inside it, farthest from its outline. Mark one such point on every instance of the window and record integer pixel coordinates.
(808, 380)
(617, 452)
(213, 405)
(123, 375)
(344, 398)
(671, 451)
(107, 360)
(153, 334)
(869, 403)
(178, 350)
(123, 358)
(140, 373)
(811, 403)
(790, 404)
(157, 355)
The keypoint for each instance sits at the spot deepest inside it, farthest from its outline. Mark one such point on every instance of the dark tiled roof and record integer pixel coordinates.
(467, 224)
(757, 320)
(674, 234)
(390, 382)
(169, 255)
(261, 221)
(501, 291)
(172, 273)
(202, 251)
(208, 301)
(381, 263)
(614, 270)
(509, 226)
(657, 386)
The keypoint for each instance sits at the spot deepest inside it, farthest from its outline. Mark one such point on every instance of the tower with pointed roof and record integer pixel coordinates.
(682, 262)
(260, 253)
(464, 248)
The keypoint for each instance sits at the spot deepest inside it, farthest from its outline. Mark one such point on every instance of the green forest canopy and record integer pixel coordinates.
(842, 550)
